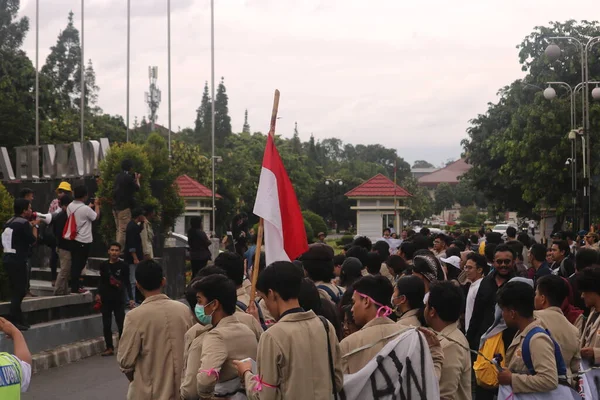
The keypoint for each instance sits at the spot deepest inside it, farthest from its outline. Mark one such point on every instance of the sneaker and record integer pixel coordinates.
(108, 353)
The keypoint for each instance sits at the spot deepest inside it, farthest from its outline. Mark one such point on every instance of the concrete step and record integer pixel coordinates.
(44, 288)
(90, 279)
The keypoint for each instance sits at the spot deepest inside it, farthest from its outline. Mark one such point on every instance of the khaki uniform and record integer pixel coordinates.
(455, 381)
(542, 358)
(229, 340)
(385, 271)
(292, 355)
(243, 297)
(338, 291)
(151, 348)
(409, 318)
(247, 285)
(189, 384)
(251, 323)
(373, 331)
(147, 236)
(189, 337)
(565, 334)
(590, 336)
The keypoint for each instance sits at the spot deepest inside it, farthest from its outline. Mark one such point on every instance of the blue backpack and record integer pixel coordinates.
(526, 352)
(336, 298)
(243, 307)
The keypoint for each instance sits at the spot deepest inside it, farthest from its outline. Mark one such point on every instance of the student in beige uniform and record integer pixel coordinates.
(370, 310)
(551, 291)
(318, 265)
(150, 351)
(228, 340)
(442, 311)
(588, 283)
(516, 301)
(233, 265)
(292, 356)
(408, 300)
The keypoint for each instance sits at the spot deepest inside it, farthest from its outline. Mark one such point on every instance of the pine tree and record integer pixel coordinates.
(91, 89)
(222, 118)
(202, 129)
(313, 152)
(296, 143)
(246, 128)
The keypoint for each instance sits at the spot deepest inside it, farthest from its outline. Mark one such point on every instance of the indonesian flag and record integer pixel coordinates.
(276, 204)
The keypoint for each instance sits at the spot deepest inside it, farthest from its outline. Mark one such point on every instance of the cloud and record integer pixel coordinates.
(409, 75)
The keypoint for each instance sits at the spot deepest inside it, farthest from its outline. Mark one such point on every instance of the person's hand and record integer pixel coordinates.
(505, 377)
(8, 328)
(136, 261)
(131, 304)
(252, 310)
(242, 367)
(35, 222)
(587, 353)
(430, 336)
(97, 203)
(98, 299)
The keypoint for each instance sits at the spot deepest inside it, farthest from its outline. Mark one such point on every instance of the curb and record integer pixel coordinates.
(68, 353)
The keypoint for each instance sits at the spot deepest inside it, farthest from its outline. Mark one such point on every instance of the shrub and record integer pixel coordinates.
(316, 222)
(310, 233)
(344, 240)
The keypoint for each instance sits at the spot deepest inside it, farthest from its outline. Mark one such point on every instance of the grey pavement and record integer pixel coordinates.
(94, 378)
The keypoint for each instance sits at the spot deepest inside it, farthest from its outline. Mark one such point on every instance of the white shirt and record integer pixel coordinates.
(473, 289)
(84, 216)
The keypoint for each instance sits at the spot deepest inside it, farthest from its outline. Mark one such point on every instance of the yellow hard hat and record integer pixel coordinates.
(64, 186)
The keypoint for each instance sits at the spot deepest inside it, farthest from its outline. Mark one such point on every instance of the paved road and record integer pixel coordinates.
(94, 378)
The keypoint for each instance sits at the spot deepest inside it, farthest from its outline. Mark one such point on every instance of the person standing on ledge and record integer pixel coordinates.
(126, 184)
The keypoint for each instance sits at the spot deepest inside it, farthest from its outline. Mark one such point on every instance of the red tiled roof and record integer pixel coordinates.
(189, 187)
(448, 174)
(378, 186)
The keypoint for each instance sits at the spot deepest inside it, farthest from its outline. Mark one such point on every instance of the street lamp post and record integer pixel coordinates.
(333, 183)
(553, 52)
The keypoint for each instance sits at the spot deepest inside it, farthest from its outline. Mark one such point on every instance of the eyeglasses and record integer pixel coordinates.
(505, 262)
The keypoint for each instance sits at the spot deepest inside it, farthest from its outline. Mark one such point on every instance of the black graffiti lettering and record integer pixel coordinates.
(597, 383)
(342, 395)
(411, 375)
(399, 368)
(389, 385)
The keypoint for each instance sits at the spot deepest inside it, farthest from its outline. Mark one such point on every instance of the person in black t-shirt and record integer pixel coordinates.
(134, 251)
(126, 184)
(114, 281)
(18, 236)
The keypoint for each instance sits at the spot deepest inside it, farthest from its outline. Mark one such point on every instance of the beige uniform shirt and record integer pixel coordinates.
(455, 381)
(409, 318)
(189, 384)
(147, 236)
(188, 339)
(292, 356)
(372, 332)
(565, 334)
(542, 358)
(229, 340)
(243, 297)
(590, 336)
(247, 285)
(152, 348)
(250, 322)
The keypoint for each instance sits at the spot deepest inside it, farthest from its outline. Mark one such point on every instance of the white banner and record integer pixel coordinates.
(560, 393)
(590, 382)
(402, 369)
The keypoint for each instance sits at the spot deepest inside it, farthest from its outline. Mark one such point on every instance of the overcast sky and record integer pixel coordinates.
(406, 74)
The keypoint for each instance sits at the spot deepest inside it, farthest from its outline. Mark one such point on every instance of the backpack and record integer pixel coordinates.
(526, 352)
(70, 230)
(261, 318)
(486, 373)
(336, 298)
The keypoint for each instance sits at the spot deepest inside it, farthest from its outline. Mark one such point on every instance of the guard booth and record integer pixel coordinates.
(378, 204)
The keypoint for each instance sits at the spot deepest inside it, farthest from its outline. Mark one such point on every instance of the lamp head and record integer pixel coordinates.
(549, 93)
(553, 52)
(596, 93)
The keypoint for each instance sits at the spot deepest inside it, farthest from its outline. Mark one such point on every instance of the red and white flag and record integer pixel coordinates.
(277, 205)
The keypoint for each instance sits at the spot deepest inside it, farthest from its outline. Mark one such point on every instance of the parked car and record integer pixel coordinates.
(501, 228)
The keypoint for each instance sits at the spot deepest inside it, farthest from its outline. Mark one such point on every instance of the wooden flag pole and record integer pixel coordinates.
(261, 223)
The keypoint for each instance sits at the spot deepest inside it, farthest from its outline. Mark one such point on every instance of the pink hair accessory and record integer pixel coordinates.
(382, 311)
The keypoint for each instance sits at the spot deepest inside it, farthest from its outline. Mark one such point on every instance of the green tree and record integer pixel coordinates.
(222, 118)
(188, 159)
(12, 28)
(469, 215)
(420, 204)
(316, 221)
(444, 197)
(422, 164)
(203, 123)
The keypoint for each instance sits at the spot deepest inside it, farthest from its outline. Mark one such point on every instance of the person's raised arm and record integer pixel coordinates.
(21, 349)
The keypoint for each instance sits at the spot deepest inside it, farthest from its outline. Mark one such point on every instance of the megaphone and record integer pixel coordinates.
(47, 218)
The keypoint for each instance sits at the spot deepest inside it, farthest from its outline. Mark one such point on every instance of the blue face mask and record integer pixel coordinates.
(202, 317)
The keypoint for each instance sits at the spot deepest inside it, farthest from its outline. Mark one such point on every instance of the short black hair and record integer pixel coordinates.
(538, 251)
(480, 262)
(387, 229)
(589, 280)
(282, 277)
(382, 248)
(517, 296)
(443, 238)
(397, 264)
(569, 235)
(80, 192)
(136, 212)
(190, 293)
(460, 244)
(338, 259)
(585, 258)
(363, 242)
(474, 239)
(511, 232)
(126, 165)
(524, 238)
(218, 287)
(149, 275)
(319, 270)
(493, 237)
(210, 270)
(196, 223)
(233, 264)
(65, 200)
(379, 288)
(408, 248)
(413, 288)
(373, 263)
(554, 288)
(350, 273)
(309, 297)
(115, 243)
(447, 299)
(452, 251)
(501, 248)
(20, 205)
(517, 248)
(359, 252)
(563, 245)
(24, 192)
(425, 231)
(490, 251)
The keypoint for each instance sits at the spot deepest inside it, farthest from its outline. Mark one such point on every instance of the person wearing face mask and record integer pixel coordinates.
(150, 351)
(227, 340)
(408, 301)
(370, 310)
(299, 356)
